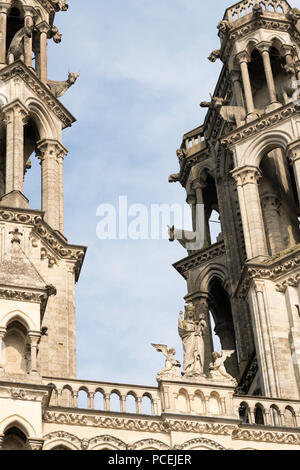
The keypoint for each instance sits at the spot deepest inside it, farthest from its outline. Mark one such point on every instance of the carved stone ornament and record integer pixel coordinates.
(217, 368)
(172, 366)
(19, 69)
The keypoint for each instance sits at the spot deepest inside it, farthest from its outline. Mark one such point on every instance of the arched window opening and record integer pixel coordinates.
(258, 80)
(99, 401)
(215, 227)
(182, 402)
(32, 167)
(66, 398)
(15, 22)
(83, 400)
(244, 413)
(290, 417)
(17, 350)
(220, 308)
(275, 415)
(211, 207)
(14, 439)
(115, 402)
(259, 415)
(130, 404)
(279, 200)
(215, 338)
(146, 405)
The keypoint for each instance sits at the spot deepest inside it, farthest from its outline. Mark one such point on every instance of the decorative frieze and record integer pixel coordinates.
(200, 258)
(32, 81)
(266, 436)
(261, 123)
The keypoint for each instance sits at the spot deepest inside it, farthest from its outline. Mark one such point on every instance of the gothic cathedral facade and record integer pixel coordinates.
(244, 164)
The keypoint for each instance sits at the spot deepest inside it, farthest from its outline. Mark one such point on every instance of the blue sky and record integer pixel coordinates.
(144, 71)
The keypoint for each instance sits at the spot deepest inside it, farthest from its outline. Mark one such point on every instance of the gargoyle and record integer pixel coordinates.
(232, 114)
(60, 5)
(293, 15)
(174, 178)
(214, 55)
(16, 48)
(55, 34)
(59, 88)
(224, 26)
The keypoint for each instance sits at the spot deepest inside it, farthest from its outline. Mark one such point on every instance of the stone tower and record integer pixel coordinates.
(244, 164)
(38, 267)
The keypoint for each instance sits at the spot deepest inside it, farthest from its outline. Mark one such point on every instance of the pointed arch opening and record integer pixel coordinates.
(14, 439)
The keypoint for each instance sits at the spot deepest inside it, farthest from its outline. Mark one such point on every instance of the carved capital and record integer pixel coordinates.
(199, 184)
(242, 57)
(271, 201)
(293, 152)
(191, 199)
(287, 49)
(4, 7)
(50, 148)
(15, 110)
(35, 444)
(264, 46)
(246, 175)
(43, 27)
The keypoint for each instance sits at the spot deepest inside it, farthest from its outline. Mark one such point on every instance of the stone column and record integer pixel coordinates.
(235, 76)
(34, 339)
(247, 179)
(15, 116)
(2, 344)
(44, 29)
(3, 29)
(293, 154)
(264, 49)
(287, 51)
(75, 399)
(91, 397)
(191, 201)
(123, 404)
(28, 21)
(139, 406)
(60, 160)
(106, 402)
(50, 153)
(243, 59)
(199, 186)
(271, 210)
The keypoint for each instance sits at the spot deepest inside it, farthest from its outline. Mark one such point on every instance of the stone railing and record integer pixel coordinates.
(85, 394)
(241, 9)
(193, 141)
(267, 411)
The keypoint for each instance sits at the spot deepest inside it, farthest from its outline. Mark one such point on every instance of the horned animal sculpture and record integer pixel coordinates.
(59, 88)
(16, 49)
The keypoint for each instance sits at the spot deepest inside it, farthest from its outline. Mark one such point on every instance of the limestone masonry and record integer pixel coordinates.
(244, 163)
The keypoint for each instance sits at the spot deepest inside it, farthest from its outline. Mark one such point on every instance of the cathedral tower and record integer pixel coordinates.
(38, 267)
(244, 164)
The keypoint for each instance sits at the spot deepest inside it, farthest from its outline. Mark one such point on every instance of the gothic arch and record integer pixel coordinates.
(19, 422)
(218, 270)
(20, 316)
(149, 444)
(43, 120)
(106, 442)
(202, 442)
(61, 438)
(263, 144)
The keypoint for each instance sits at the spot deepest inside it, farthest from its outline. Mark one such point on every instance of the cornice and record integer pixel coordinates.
(197, 259)
(18, 68)
(52, 239)
(273, 270)
(264, 122)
